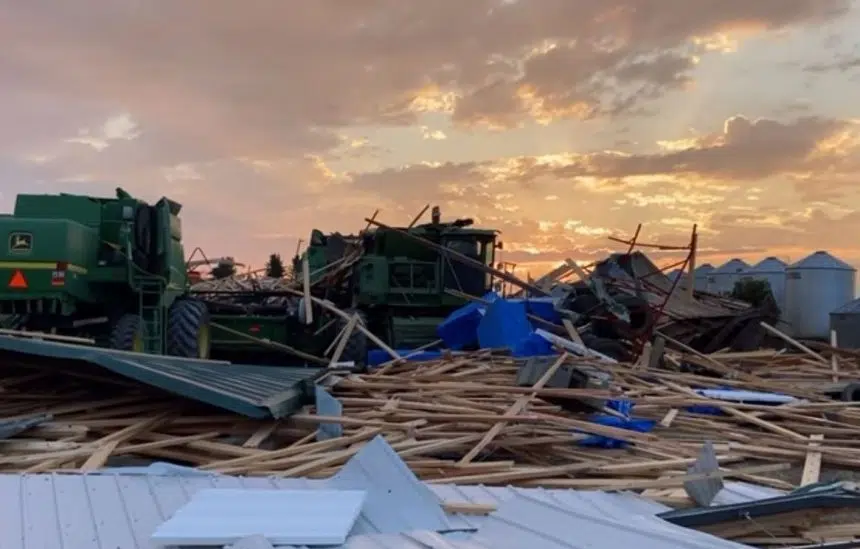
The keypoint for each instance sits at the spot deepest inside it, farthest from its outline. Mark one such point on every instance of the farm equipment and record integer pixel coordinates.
(113, 270)
(396, 286)
(399, 284)
(109, 269)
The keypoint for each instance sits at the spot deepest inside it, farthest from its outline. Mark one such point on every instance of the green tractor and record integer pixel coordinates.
(109, 269)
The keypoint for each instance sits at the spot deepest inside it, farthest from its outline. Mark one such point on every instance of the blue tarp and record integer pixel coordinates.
(460, 329)
(504, 325)
(630, 424)
(508, 325)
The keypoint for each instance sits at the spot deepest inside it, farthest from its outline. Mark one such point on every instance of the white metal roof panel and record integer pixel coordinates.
(108, 510)
(528, 521)
(283, 517)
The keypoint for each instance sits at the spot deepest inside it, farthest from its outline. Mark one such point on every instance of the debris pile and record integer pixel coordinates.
(471, 418)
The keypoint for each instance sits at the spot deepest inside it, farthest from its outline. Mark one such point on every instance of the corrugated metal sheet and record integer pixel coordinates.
(283, 517)
(253, 391)
(743, 492)
(678, 306)
(531, 521)
(850, 308)
(328, 406)
(396, 499)
(95, 511)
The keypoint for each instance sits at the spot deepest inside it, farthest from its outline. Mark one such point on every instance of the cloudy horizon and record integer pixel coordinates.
(558, 122)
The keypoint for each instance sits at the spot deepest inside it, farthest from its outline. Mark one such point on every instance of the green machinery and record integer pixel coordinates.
(111, 269)
(399, 283)
(390, 277)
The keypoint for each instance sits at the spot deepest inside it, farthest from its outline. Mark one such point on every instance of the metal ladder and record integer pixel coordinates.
(152, 312)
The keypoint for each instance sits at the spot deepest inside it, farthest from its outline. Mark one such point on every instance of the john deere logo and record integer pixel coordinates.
(20, 243)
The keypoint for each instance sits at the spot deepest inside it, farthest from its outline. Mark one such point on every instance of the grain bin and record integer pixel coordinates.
(815, 286)
(679, 275)
(702, 277)
(845, 321)
(771, 270)
(727, 274)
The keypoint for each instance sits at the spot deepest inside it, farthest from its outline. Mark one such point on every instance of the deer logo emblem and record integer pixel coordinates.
(20, 243)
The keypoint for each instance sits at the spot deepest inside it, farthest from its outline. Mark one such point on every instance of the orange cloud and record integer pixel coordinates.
(266, 118)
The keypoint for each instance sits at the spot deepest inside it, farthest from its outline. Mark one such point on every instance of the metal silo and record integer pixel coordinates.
(727, 274)
(814, 287)
(702, 275)
(771, 270)
(845, 321)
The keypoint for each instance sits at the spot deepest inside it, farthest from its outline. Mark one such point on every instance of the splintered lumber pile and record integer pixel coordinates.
(462, 419)
(220, 289)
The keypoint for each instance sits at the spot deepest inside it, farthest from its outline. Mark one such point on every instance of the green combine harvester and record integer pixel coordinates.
(113, 270)
(399, 285)
(109, 269)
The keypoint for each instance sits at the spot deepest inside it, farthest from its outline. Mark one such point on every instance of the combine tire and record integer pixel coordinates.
(356, 345)
(609, 347)
(188, 330)
(128, 334)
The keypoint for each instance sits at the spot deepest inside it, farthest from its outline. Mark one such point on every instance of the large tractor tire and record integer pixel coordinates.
(356, 345)
(128, 334)
(188, 329)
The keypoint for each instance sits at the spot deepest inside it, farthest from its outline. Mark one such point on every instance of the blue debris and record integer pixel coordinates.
(541, 307)
(533, 345)
(597, 441)
(623, 406)
(460, 329)
(504, 325)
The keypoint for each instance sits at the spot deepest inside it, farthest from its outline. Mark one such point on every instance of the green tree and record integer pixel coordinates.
(754, 291)
(275, 267)
(223, 269)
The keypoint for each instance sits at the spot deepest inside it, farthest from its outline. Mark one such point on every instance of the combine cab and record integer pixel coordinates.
(109, 269)
(400, 286)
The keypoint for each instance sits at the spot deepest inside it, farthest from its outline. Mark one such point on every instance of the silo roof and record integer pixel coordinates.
(769, 265)
(703, 269)
(732, 266)
(821, 260)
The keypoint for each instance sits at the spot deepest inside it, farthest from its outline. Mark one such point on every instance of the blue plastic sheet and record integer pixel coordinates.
(460, 329)
(541, 307)
(533, 345)
(630, 424)
(504, 325)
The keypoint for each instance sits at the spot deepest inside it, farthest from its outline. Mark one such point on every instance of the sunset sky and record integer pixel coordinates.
(558, 122)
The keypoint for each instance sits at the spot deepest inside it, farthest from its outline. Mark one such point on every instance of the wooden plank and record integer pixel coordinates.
(812, 464)
(515, 409)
